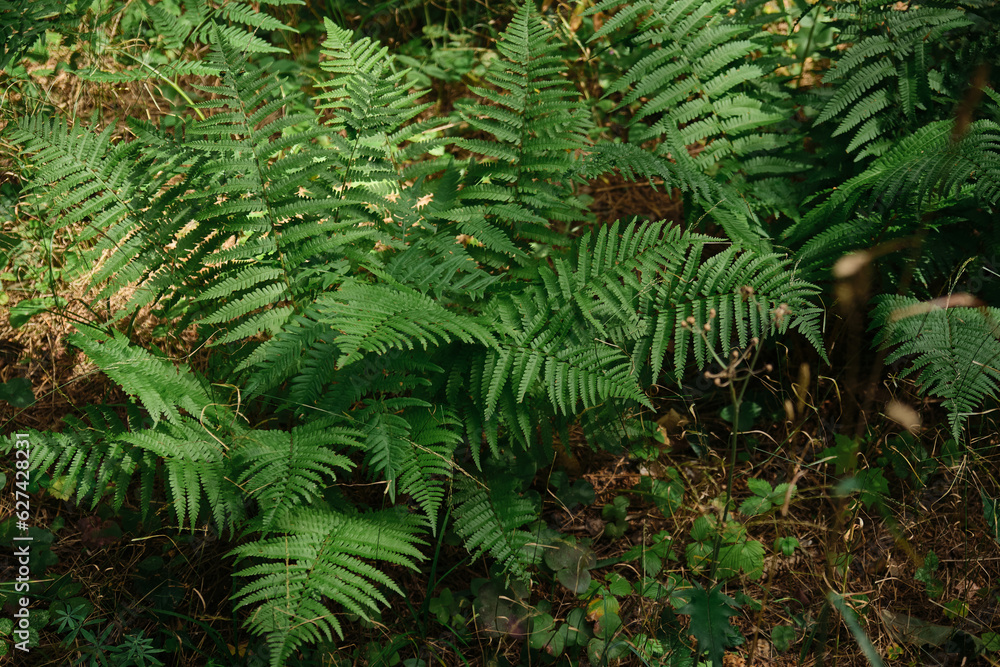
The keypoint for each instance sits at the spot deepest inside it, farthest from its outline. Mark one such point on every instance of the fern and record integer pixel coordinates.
(889, 65)
(23, 22)
(410, 450)
(700, 94)
(360, 298)
(161, 389)
(373, 109)
(81, 177)
(90, 458)
(489, 518)
(288, 469)
(195, 20)
(524, 177)
(196, 470)
(377, 318)
(954, 351)
(926, 171)
(321, 553)
(644, 283)
(105, 454)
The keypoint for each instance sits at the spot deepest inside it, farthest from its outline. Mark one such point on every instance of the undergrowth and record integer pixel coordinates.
(362, 331)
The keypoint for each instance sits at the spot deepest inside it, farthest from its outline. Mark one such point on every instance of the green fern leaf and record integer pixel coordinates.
(955, 350)
(156, 382)
(322, 553)
(488, 520)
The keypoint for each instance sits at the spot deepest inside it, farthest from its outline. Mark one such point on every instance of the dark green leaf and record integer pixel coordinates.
(710, 611)
(782, 637)
(17, 392)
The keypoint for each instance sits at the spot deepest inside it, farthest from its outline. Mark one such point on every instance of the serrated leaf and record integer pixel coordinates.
(778, 495)
(618, 585)
(755, 505)
(668, 495)
(710, 611)
(759, 487)
(746, 556)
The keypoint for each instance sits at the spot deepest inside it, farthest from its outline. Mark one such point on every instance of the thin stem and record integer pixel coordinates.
(168, 80)
(737, 402)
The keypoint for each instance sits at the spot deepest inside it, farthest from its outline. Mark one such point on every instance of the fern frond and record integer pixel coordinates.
(377, 318)
(955, 350)
(441, 266)
(537, 350)
(282, 470)
(197, 470)
(371, 104)
(79, 176)
(923, 172)
(644, 284)
(22, 22)
(701, 86)
(488, 519)
(90, 458)
(411, 450)
(161, 388)
(323, 553)
(887, 65)
(537, 123)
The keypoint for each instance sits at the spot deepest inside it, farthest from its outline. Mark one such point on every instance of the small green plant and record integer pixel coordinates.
(782, 637)
(17, 392)
(6, 637)
(554, 637)
(786, 545)
(926, 574)
(765, 497)
(580, 492)
(652, 558)
(710, 612)
(571, 562)
(726, 551)
(615, 515)
(667, 492)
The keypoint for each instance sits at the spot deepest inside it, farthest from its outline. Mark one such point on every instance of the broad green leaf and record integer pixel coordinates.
(755, 505)
(786, 545)
(28, 308)
(782, 637)
(710, 611)
(17, 392)
(759, 487)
